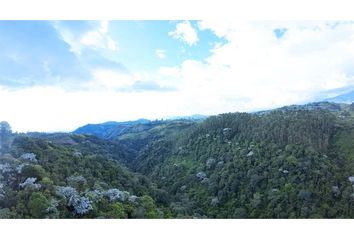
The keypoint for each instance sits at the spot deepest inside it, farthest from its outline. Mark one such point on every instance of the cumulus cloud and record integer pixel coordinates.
(257, 69)
(160, 53)
(251, 68)
(109, 79)
(185, 32)
(169, 71)
(95, 36)
(99, 39)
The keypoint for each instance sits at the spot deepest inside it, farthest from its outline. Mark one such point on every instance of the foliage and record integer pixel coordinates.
(38, 205)
(292, 162)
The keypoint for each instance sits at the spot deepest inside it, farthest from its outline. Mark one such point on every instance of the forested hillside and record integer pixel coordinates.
(292, 162)
(42, 179)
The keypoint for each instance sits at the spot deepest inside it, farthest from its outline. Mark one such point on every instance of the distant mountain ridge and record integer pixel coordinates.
(191, 117)
(104, 130)
(147, 129)
(343, 98)
(324, 105)
(114, 129)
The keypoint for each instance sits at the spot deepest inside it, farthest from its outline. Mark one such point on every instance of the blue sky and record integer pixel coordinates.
(42, 52)
(63, 74)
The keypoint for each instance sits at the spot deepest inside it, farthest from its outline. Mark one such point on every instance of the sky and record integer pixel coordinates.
(59, 75)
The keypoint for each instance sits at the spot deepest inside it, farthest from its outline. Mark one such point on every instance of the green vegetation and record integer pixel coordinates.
(292, 162)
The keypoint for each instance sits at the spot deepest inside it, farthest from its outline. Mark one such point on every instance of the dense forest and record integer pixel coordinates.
(292, 162)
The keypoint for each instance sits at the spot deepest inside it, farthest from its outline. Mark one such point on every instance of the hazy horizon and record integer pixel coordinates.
(60, 75)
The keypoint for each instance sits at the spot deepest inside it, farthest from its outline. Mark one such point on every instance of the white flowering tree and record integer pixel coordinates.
(81, 205)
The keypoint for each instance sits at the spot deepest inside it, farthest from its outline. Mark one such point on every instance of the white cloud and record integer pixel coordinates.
(70, 38)
(104, 27)
(256, 70)
(109, 79)
(252, 70)
(169, 71)
(185, 32)
(160, 53)
(55, 109)
(98, 38)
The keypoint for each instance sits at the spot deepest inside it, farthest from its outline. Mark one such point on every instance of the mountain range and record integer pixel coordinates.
(292, 162)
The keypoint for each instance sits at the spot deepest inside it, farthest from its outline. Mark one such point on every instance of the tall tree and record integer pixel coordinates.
(5, 136)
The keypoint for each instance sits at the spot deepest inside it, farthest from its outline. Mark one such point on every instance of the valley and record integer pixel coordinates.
(292, 162)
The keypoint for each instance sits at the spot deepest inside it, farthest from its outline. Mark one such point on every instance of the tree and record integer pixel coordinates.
(5, 137)
(36, 171)
(116, 210)
(149, 205)
(38, 205)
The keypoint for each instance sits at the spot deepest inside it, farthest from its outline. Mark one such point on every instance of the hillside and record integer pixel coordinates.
(42, 179)
(136, 135)
(108, 129)
(292, 162)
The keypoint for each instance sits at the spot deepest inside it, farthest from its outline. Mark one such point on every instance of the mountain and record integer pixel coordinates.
(343, 98)
(292, 162)
(112, 130)
(105, 130)
(324, 105)
(137, 134)
(195, 117)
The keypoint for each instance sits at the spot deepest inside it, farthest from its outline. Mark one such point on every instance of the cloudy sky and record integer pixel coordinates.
(59, 75)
